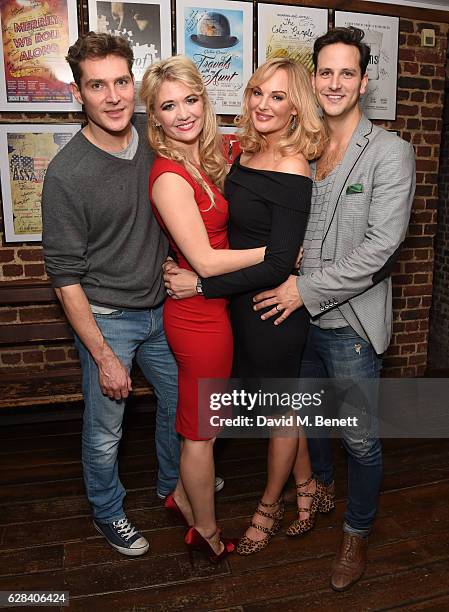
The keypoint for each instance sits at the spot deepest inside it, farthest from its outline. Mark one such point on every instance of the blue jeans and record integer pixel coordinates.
(343, 354)
(131, 334)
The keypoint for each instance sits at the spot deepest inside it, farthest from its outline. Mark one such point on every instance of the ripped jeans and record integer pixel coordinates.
(343, 354)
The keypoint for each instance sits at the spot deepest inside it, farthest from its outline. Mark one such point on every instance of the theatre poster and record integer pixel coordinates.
(36, 34)
(289, 31)
(146, 25)
(218, 37)
(25, 152)
(382, 35)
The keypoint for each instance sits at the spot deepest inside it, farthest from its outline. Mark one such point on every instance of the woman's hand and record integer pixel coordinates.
(179, 283)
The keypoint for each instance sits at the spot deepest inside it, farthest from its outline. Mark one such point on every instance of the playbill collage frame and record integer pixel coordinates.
(217, 35)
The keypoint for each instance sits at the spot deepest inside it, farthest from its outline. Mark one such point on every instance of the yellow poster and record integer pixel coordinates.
(26, 151)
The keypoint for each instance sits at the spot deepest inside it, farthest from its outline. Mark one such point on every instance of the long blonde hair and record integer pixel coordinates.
(306, 133)
(181, 69)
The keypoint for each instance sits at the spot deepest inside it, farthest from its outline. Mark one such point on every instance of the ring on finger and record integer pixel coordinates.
(279, 308)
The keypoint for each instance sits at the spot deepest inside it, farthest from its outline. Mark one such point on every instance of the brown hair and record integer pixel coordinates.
(180, 68)
(306, 133)
(348, 36)
(97, 45)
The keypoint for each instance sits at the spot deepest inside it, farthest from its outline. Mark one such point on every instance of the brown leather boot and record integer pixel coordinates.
(350, 562)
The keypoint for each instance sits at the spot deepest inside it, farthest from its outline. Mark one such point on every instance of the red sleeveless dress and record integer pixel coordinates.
(198, 330)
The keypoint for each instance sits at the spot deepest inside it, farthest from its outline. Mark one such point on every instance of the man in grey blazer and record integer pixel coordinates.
(363, 192)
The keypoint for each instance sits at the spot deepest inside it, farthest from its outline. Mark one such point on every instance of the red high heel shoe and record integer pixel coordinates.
(195, 541)
(171, 505)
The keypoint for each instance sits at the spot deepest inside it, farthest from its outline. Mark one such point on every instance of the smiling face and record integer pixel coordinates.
(107, 92)
(270, 110)
(338, 82)
(180, 112)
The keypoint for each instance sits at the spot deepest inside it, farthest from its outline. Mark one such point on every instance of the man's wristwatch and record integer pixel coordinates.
(199, 286)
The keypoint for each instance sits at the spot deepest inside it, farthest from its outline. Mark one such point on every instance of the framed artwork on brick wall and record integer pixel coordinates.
(25, 152)
(145, 24)
(382, 35)
(218, 36)
(284, 30)
(34, 75)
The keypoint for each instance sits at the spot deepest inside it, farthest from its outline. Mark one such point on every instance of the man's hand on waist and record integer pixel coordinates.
(283, 299)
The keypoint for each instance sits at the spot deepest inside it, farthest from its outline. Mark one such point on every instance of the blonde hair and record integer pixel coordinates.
(306, 133)
(181, 69)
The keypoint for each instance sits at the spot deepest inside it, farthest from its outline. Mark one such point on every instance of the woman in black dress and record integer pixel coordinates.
(269, 192)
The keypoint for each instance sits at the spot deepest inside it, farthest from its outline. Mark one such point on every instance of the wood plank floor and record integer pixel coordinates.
(47, 540)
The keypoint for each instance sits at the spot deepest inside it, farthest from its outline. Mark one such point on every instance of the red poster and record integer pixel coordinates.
(35, 36)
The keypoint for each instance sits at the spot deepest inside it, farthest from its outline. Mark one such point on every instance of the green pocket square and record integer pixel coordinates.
(356, 188)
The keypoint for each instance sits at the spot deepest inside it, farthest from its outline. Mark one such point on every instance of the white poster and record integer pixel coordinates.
(25, 152)
(289, 31)
(218, 37)
(382, 35)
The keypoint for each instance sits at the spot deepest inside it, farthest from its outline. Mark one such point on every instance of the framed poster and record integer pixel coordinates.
(145, 24)
(382, 35)
(218, 36)
(231, 145)
(34, 76)
(25, 152)
(284, 30)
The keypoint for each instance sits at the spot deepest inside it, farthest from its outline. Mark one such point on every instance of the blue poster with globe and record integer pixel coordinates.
(217, 36)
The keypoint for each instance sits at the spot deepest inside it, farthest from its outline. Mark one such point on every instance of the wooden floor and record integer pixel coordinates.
(47, 541)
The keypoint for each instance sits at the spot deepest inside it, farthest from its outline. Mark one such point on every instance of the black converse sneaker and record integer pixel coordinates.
(124, 537)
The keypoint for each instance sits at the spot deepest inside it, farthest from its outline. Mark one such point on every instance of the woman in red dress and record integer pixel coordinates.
(186, 184)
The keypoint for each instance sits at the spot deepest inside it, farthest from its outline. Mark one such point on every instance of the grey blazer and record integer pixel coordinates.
(366, 223)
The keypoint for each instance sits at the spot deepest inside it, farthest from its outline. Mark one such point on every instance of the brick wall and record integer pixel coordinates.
(421, 87)
(439, 320)
(419, 120)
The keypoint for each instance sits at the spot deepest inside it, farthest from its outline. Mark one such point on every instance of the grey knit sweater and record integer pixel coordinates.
(98, 227)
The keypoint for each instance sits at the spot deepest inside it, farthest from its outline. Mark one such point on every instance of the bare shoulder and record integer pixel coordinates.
(294, 165)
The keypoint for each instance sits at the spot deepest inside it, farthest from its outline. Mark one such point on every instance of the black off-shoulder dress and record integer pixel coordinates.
(265, 208)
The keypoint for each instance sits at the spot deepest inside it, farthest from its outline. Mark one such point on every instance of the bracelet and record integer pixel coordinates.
(199, 286)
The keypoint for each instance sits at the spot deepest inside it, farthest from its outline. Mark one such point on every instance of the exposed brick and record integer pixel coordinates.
(6, 255)
(427, 70)
(31, 254)
(413, 124)
(427, 164)
(11, 358)
(403, 95)
(41, 313)
(406, 55)
(10, 270)
(413, 68)
(34, 270)
(431, 111)
(413, 40)
(8, 316)
(33, 357)
(406, 25)
(407, 82)
(438, 84)
(55, 355)
(417, 96)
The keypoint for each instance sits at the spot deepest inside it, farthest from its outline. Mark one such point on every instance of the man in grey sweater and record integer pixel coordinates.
(103, 252)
